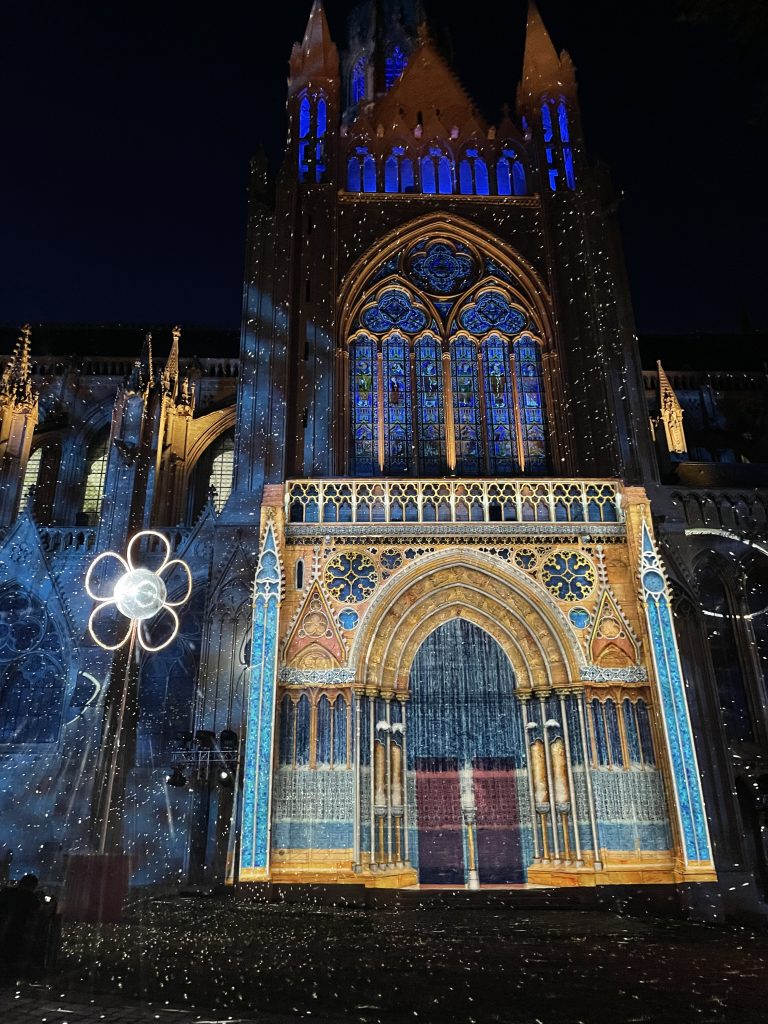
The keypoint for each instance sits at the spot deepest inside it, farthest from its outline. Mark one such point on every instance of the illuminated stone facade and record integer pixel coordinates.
(431, 631)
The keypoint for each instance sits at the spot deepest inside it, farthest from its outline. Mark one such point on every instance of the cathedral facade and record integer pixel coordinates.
(444, 534)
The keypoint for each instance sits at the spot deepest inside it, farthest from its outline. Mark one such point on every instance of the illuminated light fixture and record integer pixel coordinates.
(140, 594)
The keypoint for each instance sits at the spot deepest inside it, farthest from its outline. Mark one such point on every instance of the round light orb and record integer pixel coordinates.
(140, 594)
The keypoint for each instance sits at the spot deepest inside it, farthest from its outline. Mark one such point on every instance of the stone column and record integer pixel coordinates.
(571, 787)
(550, 783)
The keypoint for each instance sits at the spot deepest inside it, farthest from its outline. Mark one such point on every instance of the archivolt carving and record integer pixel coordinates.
(492, 594)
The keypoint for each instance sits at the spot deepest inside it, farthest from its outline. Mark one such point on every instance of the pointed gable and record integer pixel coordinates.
(316, 56)
(315, 641)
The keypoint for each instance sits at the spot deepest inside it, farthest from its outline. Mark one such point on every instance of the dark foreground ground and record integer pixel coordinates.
(210, 959)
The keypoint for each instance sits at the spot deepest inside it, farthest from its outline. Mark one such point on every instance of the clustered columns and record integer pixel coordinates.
(387, 759)
(555, 813)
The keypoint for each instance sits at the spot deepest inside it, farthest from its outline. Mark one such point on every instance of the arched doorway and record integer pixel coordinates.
(466, 757)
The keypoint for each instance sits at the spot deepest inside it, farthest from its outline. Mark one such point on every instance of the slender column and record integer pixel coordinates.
(356, 697)
(588, 779)
(571, 787)
(450, 437)
(388, 775)
(550, 783)
(469, 817)
(404, 734)
(372, 733)
(380, 407)
(529, 773)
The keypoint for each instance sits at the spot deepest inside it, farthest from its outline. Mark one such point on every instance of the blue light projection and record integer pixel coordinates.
(441, 268)
(492, 310)
(429, 389)
(530, 400)
(394, 308)
(674, 707)
(351, 577)
(358, 81)
(257, 786)
(394, 66)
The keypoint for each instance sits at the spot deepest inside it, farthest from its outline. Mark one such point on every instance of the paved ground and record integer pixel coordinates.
(215, 960)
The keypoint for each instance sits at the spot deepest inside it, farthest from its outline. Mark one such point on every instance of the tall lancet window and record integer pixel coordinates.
(431, 415)
(363, 368)
(358, 80)
(96, 475)
(361, 171)
(398, 414)
(499, 407)
(565, 139)
(530, 403)
(466, 411)
(398, 171)
(313, 126)
(473, 174)
(549, 145)
(436, 172)
(31, 475)
(510, 174)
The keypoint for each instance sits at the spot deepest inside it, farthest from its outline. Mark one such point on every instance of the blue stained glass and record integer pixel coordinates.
(481, 177)
(394, 66)
(304, 117)
(302, 730)
(364, 378)
(397, 405)
(531, 404)
(348, 618)
(369, 174)
(340, 732)
(518, 179)
(354, 176)
(598, 727)
(394, 308)
(579, 617)
(322, 117)
(503, 177)
(546, 120)
(445, 176)
(286, 731)
(630, 731)
(358, 81)
(562, 120)
(391, 175)
(466, 414)
(440, 269)
(323, 755)
(407, 180)
(644, 728)
(568, 161)
(614, 735)
(553, 180)
(466, 184)
(499, 407)
(429, 388)
(428, 183)
(492, 310)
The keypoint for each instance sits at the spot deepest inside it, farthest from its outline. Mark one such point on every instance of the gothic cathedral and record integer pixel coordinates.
(431, 628)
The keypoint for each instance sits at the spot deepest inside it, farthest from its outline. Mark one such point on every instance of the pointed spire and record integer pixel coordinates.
(16, 380)
(142, 376)
(170, 376)
(541, 65)
(671, 413)
(316, 56)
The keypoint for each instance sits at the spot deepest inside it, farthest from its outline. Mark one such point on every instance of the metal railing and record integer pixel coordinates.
(452, 501)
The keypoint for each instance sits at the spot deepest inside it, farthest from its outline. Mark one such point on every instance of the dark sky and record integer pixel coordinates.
(128, 129)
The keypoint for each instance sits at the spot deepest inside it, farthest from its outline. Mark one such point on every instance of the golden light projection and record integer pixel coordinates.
(140, 595)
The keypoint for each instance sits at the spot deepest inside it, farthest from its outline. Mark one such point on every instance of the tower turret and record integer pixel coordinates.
(18, 419)
(313, 99)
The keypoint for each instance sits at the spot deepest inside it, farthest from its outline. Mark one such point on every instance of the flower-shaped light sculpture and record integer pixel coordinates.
(140, 594)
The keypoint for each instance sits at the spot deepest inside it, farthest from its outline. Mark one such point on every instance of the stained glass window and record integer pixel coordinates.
(323, 755)
(96, 473)
(429, 390)
(441, 268)
(630, 731)
(562, 120)
(492, 310)
(286, 731)
(358, 81)
(546, 120)
(466, 412)
(397, 405)
(428, 180)
(499, 407)
(510, 173)
(313, 124)
(222, 468)
(364, 374)
(644, 728)
(354, 175)
(599, 733)
(530, 402)
(304, 117)
(398, 171)
(436, 173)
(369, 174)
(339, 752)
(394, 66)
(614, 733)
(31, 475)
(302, 731)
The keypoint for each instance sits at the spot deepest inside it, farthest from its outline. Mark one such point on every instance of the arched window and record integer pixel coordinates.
(565, 139)
(614, 733)
(363, 367)
(300, 574)
(323, 753)
(286, 731)
(313, 126)
(361, 171)
(430, 414)
(302, 731)
(31, 475)
(398, 413)
(213, 475)
(358, 80)
(499, 407)
(95, 478)
(510, 173)
(466, 412)
(398, 171)
(436, 173)
(646, 735)
(473, 174)
(339, 753)
(530, 405)
(600, 736)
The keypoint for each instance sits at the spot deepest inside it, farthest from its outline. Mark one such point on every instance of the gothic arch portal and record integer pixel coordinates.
(457, 583)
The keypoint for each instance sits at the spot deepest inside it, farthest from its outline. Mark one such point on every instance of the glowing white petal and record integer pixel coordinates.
(149, 533)
(185, 598)
(92, 566)
(91, 630)
(146, 646)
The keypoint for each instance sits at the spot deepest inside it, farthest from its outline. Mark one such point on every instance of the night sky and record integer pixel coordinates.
(128, 130)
